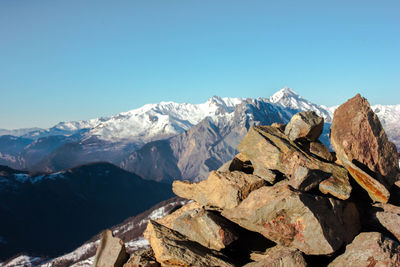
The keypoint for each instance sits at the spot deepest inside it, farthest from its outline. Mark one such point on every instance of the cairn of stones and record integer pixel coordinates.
(285, 200)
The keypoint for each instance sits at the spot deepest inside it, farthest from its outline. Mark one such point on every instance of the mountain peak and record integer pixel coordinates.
(285, 92)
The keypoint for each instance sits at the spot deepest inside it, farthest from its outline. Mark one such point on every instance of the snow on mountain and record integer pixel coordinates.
(162, 120)
(288, 98)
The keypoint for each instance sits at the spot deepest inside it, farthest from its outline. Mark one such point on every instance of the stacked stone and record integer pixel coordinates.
(317, 207)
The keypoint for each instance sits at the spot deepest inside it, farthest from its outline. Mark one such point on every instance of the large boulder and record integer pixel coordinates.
(369, 249)
(278, 256)
(269, 149)
(313, 224)
(110, 252)
(389, 217)
(221, 190)
(305, 125)
(358, 137)
(207, 228)
(173, 249)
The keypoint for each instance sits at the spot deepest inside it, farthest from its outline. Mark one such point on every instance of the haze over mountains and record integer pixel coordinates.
(165, 141)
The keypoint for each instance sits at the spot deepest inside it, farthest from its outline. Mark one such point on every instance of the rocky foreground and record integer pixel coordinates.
(285, 200)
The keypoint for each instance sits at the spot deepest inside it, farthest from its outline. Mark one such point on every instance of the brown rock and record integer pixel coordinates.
(269, 149)
(305, 125)
(280, 126)
(221, 189)
(313, 224)
(169, 220)
(278, 256)
(358, 137)
(369, 249)
(111, 251)
(142, 258)
(239, 163)
(321, 151)
(173, 249)
(305, 179)
(207, 228)
(389, 218)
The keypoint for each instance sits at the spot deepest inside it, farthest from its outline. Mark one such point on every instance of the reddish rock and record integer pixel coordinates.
(357, 136)
(313, 224)
(305, 125)
(368, 250)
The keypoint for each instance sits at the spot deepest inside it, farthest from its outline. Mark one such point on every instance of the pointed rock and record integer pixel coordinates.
(207, 228)
(278, 256)
(358, 137)
(389, 218)
(142, 258)
(369, 249)
(269, 149)
(305, 125)
(173, 249)
(313, 224)
(111, 251)
(221, 190)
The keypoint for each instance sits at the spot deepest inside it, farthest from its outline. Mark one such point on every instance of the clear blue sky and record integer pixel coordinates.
(79, 59)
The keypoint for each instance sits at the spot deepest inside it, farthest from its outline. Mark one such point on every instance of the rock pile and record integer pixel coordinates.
(285, 200)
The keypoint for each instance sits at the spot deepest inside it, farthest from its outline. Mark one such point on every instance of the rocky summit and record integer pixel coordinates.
(286, 200)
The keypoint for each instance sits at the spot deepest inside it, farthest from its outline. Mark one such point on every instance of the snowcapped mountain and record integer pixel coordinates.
(159, 121)
(288, 98)
(114, 138)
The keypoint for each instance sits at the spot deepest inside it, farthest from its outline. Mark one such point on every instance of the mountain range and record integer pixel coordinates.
(168, 140)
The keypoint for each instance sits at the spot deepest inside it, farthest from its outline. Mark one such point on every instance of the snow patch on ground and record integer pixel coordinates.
(137, 244)
(23, 260)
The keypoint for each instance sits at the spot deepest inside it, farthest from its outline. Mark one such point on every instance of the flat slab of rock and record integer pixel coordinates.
(376, 191)
(369, 249)
(389, 218)
(305, 125)
(357, 135)
(268, 148)
(278, 256)
(315, 225)
(207, 228)
(111, 251)
(169, 219)
(142, 258)
(221, 190)
(239, 163)
(173, 249)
